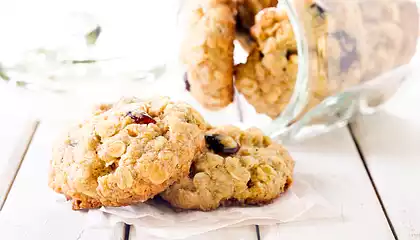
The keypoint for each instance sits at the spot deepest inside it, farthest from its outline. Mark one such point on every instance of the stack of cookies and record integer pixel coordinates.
(133, 150)
(349, 42)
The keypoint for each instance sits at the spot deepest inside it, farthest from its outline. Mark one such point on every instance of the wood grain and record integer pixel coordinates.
(338, 174)
(391, 149)
(16, 137)
(33, 211)
(242, 233)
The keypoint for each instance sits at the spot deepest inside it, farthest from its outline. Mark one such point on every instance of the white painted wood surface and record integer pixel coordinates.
(33, 211)
(338, 174)
(391, 149)
(16, 134)
(239, 233)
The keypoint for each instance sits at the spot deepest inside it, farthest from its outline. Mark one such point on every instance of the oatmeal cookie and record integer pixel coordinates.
(247, 10)
(268, 77)
(238, 167)
(391, 34)
(126, 152)
(207, 52)
(381, 35)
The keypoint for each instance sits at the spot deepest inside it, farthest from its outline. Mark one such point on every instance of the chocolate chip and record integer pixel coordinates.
(221, 144)
(141, 118)
(187, 83)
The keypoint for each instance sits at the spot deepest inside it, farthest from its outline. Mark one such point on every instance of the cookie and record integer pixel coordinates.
(381, 36)
(237, 168)
(268, 77)
(126, 152)
(247, 10)
(343, 54)
(207, 53)
(391, 34)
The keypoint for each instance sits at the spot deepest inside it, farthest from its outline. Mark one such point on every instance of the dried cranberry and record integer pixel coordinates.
(222, 144)
(141, 118)
(348, 46)
(187, 83)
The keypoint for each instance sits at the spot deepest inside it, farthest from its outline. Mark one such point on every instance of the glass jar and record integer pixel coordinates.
(339, 51)
(352, 57)
(358, 54)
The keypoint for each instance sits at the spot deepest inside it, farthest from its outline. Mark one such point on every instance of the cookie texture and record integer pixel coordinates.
(381, 36)
(126, 152)
(207, 53)
(247, 10)
(237, 168)
(268, 77)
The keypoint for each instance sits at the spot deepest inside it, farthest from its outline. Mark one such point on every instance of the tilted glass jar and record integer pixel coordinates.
(352, 57)
(358, 54)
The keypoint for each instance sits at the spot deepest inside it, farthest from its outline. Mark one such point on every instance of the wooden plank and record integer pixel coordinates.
(242, 233)
(14, 141)
(335, 170)
(33, 211)
(391, 149)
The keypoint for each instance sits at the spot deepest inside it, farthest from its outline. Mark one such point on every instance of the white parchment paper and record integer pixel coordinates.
(157, 220)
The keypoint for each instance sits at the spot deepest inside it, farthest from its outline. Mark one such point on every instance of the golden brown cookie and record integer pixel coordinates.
(238, 168)
(391, 34)
(126, 152)
(268, 77)
(381, 36)
(207, 52)
(247, 10)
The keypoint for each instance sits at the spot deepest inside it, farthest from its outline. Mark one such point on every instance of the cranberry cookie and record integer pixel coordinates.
(126, 152)
(268, 77)
(207, 52)
(237, 168)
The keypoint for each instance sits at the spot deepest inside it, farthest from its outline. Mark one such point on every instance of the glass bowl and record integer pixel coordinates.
(74, 48)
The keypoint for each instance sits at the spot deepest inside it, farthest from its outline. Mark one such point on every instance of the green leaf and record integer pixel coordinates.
(93, 36)
(3, 74)
(21, 84)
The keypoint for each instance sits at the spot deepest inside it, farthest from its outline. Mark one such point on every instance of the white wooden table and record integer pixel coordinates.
(370, 171)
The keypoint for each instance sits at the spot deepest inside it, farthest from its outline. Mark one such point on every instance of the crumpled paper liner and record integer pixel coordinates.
(301, 202)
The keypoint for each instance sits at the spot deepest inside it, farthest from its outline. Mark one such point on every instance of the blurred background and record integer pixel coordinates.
(90, 49)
